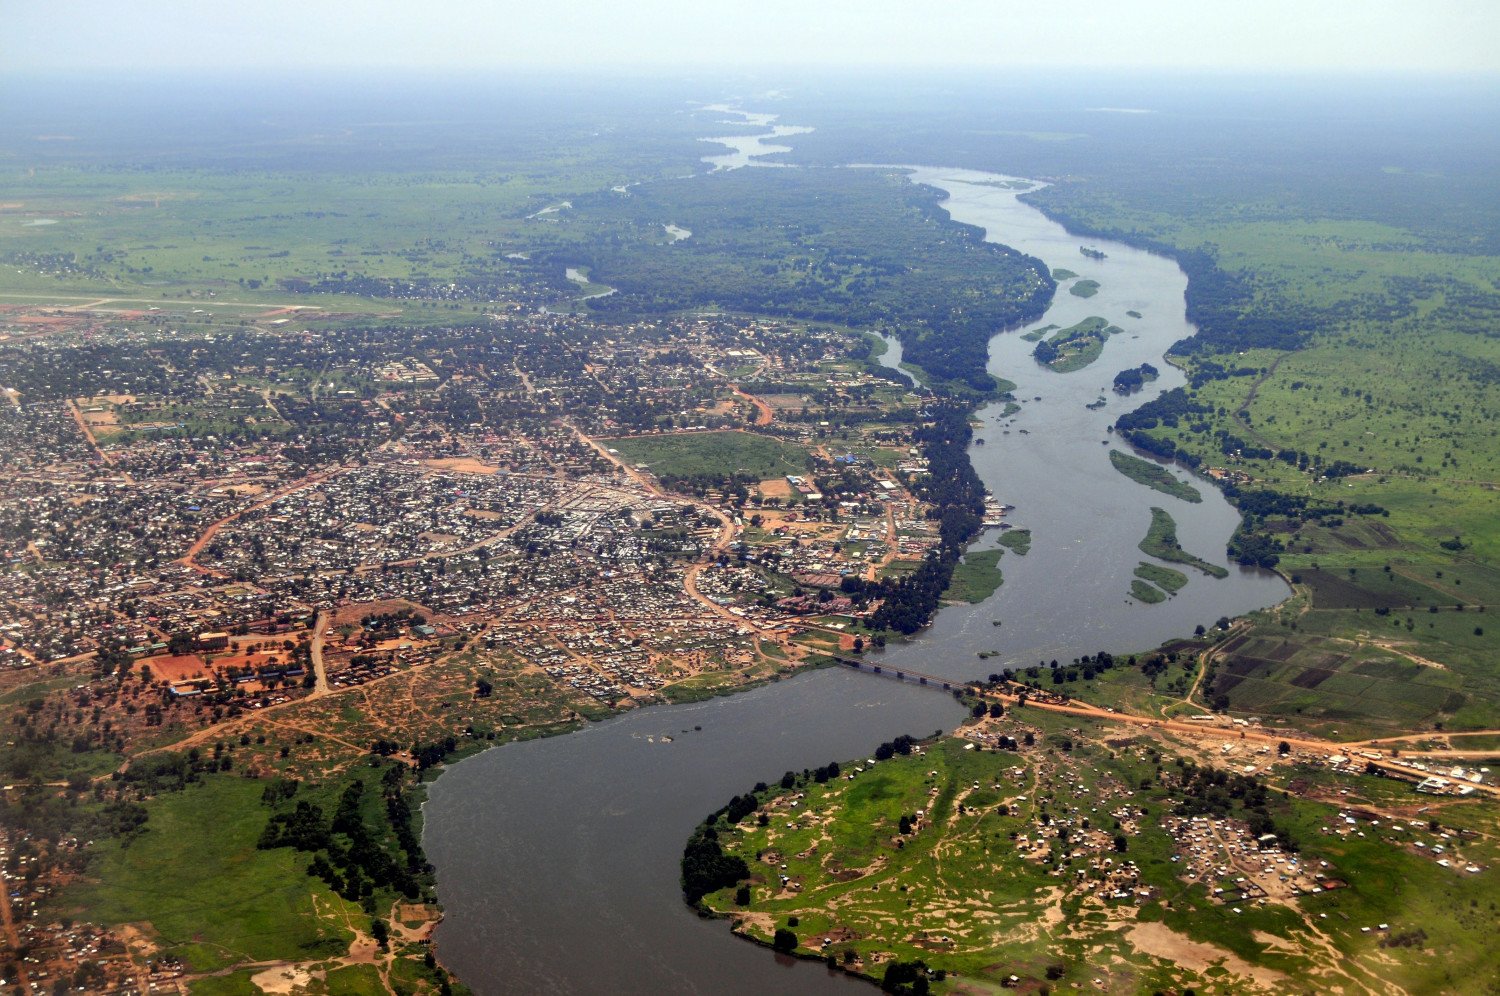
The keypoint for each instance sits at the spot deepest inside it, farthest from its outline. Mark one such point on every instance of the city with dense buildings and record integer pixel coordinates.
(228, 549)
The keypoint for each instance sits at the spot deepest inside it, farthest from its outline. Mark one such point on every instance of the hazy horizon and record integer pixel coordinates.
(294, 36)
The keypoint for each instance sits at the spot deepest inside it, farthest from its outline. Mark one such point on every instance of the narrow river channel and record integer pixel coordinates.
(558, 859)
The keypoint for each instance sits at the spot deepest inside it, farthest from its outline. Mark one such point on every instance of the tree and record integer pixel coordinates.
(706, 868)
(905, 978)
(1121, 843)
(1283, 748)
(785, 941)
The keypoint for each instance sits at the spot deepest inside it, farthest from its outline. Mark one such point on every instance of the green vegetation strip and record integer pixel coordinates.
(1163, 577)
(1153, 476)
(1143, 592)
(1017, 541)
(1161, 543)
(976, 577)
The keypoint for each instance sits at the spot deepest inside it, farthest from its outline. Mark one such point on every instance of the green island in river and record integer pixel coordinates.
(1076, 346)
(1154, 476)
(976, 577)
(1018, 541)
(1161, 543)
(1143, 592)
(1165, 578)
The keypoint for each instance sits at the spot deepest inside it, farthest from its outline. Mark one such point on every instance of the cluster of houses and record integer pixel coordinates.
(1235, 865)
(372, 515)
(1427, 839)
(55, 955)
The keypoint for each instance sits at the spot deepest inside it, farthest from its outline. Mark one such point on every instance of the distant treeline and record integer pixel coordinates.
(1223, 305)
(859, 247)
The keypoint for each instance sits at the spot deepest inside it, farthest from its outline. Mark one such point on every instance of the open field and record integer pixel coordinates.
(211, 897)
(713, 454)
(1363, 672)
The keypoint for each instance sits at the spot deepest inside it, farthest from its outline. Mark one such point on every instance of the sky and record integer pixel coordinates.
(291, 36)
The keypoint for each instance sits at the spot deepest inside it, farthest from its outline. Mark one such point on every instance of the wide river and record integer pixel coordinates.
(558, 859)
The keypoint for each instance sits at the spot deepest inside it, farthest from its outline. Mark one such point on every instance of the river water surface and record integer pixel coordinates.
(750, 150)
(558, 859)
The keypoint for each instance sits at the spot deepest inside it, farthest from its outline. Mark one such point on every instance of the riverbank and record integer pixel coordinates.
(1036, 848)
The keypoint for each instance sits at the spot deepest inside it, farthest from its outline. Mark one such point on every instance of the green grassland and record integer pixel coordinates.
(956, 893)
(1061, 274)
(211, 897)
(1084, 288)
(1330, 682)
(1363, 671)
(237, 236)
(714, 454)
(223, 207)
(976, 577)
(1154, 476)
(1161, 543)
